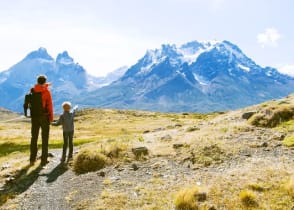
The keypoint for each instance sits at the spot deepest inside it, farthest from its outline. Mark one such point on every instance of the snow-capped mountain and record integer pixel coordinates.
(69, 79)
(197, 76)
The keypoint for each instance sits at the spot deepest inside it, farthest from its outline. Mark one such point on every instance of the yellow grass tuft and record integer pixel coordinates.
(187, 199)
(248, 198)
(89, 160)
(290, 186)
(289, 141)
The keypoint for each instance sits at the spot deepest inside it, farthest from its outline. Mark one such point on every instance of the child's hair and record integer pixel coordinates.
(66, 103)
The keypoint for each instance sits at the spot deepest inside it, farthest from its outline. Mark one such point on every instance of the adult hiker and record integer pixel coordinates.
(39, 101)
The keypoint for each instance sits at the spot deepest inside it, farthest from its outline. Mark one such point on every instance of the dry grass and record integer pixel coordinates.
(290, 186)
(219, 149)
(186, 199)
(272, 116)
(289, 141)
(89, 160)
(248, 198)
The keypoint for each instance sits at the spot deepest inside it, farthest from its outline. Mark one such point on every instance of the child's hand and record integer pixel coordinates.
(75, 107)
(54, 123)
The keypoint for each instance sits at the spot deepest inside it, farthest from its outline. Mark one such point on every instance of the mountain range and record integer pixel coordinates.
(196, 76)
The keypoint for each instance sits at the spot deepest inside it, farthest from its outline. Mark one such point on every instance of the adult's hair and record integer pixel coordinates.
(41, 79)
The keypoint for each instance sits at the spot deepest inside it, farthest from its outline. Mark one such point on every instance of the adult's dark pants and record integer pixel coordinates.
(37, 123)
(67, 141)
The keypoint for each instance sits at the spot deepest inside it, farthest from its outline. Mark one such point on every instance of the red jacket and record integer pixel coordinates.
(46, 98)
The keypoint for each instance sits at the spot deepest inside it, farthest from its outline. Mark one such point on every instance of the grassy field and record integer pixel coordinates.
(195, 161)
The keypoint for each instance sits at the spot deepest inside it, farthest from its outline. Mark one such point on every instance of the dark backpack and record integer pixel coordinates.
(33, 102)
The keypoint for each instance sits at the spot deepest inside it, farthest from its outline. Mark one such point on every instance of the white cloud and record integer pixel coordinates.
(269, 37)
(287, 69)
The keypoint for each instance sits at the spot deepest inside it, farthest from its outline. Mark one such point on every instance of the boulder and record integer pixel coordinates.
(247, 115)
(139, 151)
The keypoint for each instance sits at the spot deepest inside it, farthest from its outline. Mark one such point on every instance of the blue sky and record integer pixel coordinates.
(104, 35)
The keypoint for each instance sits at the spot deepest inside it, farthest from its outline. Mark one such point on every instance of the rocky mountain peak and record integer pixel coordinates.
(64, 58)
(41, 53)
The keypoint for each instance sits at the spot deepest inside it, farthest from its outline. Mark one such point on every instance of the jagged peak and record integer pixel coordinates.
(64, 58)
(41, 53)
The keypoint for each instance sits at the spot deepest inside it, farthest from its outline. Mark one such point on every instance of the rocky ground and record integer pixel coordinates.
(221, 155)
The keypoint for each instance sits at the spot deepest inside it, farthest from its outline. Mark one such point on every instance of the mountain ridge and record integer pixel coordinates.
(201, 77)
(195, 76)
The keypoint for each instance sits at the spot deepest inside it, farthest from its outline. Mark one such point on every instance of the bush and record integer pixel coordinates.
(115, 150)
(289, 141)
(194, 128)
(187, 199)
(272, 116)
(89, 160)
(248, 198)
(257, 187)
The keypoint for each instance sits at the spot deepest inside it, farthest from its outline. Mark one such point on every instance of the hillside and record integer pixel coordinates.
(193, 161)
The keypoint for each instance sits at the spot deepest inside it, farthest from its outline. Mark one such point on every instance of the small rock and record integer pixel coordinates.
(8, 175)
(279, 137)
(5, 166)
(134, 166)
(278, 145)
(156, 165)
(264, 144)
(247, 115)
(158, 129)
(166, 138)
(138, 151)
(178, 125)
(9, 179)
(147, 131)
(51, 155)
(177, 145)
(101, 173)
(114, 178)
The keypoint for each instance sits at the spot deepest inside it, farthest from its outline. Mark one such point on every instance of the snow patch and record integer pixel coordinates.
(244, 68)
(189, 56)
(200, 79)
(65, 61)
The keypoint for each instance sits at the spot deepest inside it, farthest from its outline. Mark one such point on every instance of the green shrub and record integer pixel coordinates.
(89, 160)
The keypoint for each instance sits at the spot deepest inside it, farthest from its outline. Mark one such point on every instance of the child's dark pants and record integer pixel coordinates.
(67, 141)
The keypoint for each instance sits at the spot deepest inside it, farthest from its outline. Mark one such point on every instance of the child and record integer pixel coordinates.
(66, 119)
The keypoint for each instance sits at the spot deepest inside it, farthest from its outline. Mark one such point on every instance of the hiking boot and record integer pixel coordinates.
(32, 162)
(69, 159)
(44, 162)
(62, 159)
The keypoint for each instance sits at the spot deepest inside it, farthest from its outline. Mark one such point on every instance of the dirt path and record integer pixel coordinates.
(55, 187)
